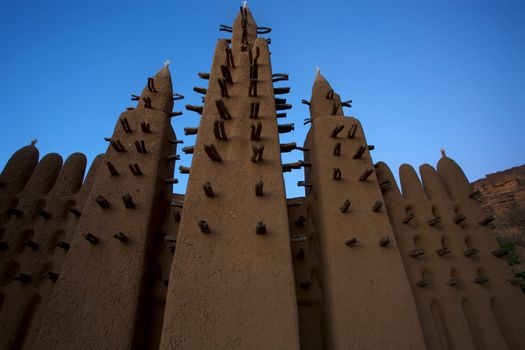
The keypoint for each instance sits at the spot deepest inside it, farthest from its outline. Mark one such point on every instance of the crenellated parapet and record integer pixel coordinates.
(463, 291)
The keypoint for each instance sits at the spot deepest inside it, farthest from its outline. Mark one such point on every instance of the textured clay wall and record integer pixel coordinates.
(461, 288)
(231, 284)
(98, 299)
(367, 298)
(37, 229)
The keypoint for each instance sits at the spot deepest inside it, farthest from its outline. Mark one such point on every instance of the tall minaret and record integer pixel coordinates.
(98, 297)
(231, 284)
(367, 299)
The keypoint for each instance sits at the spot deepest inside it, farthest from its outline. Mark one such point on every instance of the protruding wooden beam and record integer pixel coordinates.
(188, 150)
(64, 245)
(145, 127)
(200, 90)
(125, 125)
(257, 153)
(408, 218)
(336, 130)
(256, 129)
(376, 207)
(254, 110)
(229, 58)
(259, 188)
(458, 219)
(223, 111)
(91, 238)
(486, 220)
(281, 107)
(196, 109)
(191, 131)
(385, 241)
(351, 242)
(226, 74)
(44, 214)
(219, 130)
(279, 77)
(260, 228)
(128, 201)
(212, 152)
(140, 146)
(208, 190)
(346, 205)
(285, 128)
(223, 87)
(359, 153)
(151, 85)
(121, 237)
(288, 147)
(352, 131)
(281, 90)
(204, 227)
(175, 114)
(135, 169)
(102, 202)
(117, 146)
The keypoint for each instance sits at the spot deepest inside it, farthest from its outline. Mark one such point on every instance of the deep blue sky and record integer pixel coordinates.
(422, 74)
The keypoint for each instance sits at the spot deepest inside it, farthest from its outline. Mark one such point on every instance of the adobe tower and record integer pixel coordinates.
(119, 261)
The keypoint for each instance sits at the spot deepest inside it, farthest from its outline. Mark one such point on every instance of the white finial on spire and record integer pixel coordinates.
(317, 70)
(167, 63)
(34, 141)
(443, 153)
(244, 4)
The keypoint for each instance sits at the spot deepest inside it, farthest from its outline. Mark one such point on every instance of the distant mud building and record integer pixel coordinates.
(120, 262)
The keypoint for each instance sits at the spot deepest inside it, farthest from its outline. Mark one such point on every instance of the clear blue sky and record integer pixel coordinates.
(422, 74)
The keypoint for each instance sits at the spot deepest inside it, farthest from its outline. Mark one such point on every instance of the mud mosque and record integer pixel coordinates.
(118, 261)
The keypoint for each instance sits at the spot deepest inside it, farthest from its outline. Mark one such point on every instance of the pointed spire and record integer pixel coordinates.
(244, 30)
(19, 168)
(324, 101)
(158, 93)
